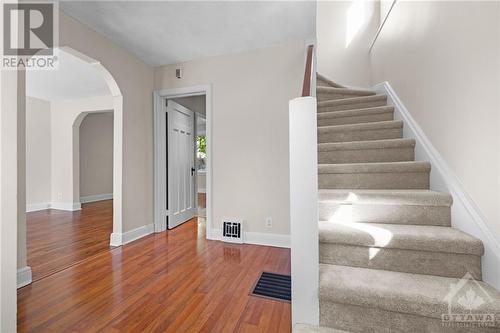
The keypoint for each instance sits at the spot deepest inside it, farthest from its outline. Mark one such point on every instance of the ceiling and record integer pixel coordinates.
(169, 32)
(74, 78)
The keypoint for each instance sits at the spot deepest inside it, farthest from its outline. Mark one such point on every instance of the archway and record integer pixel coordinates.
(117, 103)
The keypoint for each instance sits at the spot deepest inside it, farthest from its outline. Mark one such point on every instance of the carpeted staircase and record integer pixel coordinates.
(389, 258)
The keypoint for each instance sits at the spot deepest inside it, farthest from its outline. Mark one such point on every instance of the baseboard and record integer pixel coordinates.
(37, 206)
(118, 239)
(69, 206)
(23, 276)
(466, 215)
(96, 197)
(258, 238)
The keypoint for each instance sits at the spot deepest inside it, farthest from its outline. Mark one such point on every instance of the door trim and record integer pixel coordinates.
(160, 135)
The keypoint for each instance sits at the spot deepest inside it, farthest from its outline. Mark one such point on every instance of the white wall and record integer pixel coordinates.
(38, 152)
(443, 60)
(250, 163)
(12, 110)
(66, 117)
(344, 31)
(96, 154)
(135, 81)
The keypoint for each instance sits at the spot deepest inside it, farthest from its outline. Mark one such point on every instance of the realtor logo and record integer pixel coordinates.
(29, 35)
(469, 305)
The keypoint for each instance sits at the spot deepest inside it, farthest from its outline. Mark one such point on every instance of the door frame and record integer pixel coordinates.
(160, 135)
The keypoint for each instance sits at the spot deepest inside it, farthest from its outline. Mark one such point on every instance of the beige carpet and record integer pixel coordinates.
(389, 259)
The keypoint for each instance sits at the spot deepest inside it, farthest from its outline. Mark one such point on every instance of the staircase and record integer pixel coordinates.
(389, 258)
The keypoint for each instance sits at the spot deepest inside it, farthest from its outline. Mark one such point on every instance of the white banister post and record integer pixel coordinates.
(304, 211)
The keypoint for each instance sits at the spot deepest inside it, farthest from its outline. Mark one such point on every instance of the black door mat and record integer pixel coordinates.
(273, 286)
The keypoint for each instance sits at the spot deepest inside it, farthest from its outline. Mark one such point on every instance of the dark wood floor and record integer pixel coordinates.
(57, 239)
(175, 281)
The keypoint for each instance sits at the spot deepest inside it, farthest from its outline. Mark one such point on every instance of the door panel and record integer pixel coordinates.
(181, 160)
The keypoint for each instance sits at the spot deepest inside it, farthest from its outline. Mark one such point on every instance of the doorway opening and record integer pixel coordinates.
(71, 163)
(182, 158)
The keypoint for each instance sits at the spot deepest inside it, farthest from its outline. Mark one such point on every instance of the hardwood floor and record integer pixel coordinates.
(57, 239)
(175, 281)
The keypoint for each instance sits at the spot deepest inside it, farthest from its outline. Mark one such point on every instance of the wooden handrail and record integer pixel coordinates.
(306, 88)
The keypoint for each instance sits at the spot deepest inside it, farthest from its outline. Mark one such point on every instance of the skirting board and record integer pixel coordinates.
(37, 206)
(68, 206)
(117, 239)
(466, 215)
(23, 276)
(96, 197)
(259, 238)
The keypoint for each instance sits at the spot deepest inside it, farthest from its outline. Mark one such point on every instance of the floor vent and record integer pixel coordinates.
(232, 231)
(274, 286)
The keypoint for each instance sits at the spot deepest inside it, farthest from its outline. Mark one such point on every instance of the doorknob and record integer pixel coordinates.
(192, 171)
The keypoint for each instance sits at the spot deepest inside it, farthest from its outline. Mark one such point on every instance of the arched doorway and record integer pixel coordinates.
(65, 172)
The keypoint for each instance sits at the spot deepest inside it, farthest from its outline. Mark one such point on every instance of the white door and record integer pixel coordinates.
(180, 164)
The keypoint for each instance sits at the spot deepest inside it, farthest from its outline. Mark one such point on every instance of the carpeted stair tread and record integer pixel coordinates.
(362, 145)
(322, 80)
(386, 167)
(352, 101)
(380, 130)
(414, 207)
(399, 236)
(356, 116)
(417, 294)
(371, 151)
(325, 92)
(304, 328)
(361, 127)
(386, 197)
(355, 112)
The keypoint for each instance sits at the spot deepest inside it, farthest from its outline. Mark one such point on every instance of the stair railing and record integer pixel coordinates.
(304, 200)
(308, 73)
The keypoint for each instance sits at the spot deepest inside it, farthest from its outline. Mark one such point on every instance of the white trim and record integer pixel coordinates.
(37, 206)
(259, 238)
(23, 276)
(202, 190)
(131, 235)
(303, 176)
(68, 206)
(160, 211)
(96, 197)
(466, 215)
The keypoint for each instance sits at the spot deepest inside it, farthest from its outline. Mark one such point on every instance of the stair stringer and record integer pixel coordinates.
(465, 214)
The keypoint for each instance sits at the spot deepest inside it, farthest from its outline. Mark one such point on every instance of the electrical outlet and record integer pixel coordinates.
(269, 222)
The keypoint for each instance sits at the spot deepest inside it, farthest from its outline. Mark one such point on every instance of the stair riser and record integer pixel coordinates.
(334, 96)
(355, 319)
(322, 83)
(390, 214)
(346, 136)
(356, 119)
(366, 155)
(353, 106)
(406, 261)
(401, 180)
